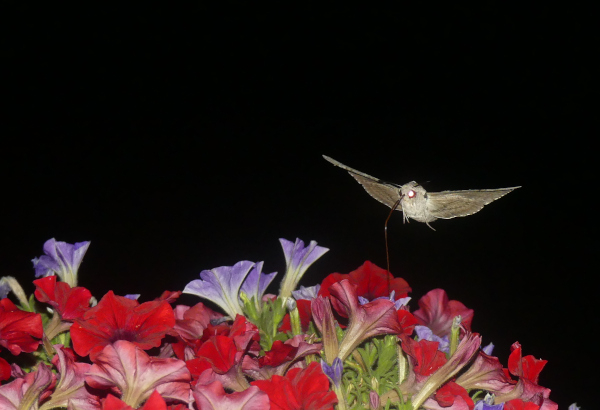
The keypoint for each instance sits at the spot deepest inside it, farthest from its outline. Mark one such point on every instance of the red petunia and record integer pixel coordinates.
(437, 312)
(118, 318)
(518, 404)
(20, 331)
(371, 282)
(71, 303)
(154, 402)
(299, 389)
(452, 394)
(425, 354)
(527, 367)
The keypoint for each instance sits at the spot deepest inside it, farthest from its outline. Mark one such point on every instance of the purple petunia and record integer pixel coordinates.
(61, 259)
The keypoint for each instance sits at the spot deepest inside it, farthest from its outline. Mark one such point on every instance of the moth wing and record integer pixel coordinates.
(384, 192)
(453, 204)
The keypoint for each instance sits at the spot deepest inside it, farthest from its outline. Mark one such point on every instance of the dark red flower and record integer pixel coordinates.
(427, 358)
(527, 367)
(450, 393)
(71, 303)
(518, 404)
(279, 353)
(118, 318)
(218, 353)
(299, 389)
(407, 321)
(5, 370)
(371, 282)
(154, 402)
(20, 331)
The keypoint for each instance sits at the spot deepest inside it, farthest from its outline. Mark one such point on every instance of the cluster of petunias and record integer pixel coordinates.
(348, 343)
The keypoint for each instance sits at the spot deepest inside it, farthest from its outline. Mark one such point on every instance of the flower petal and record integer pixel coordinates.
(136, 375)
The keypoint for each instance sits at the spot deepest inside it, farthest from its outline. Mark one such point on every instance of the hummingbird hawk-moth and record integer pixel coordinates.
(418, 204)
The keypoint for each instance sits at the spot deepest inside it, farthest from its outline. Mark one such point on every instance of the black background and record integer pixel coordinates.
(178, 140)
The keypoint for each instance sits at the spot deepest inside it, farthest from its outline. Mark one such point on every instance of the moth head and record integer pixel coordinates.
(412, 190)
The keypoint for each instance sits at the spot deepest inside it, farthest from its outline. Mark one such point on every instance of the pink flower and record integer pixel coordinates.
(213, 397)
(136, 375)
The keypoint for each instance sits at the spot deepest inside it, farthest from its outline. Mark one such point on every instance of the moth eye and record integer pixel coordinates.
(411, 194)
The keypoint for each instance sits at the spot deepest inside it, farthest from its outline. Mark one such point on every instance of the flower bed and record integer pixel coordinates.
(350, 342)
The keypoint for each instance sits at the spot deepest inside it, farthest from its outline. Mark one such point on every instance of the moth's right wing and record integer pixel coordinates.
(384, 192)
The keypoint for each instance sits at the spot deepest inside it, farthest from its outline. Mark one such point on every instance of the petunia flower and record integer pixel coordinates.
(136, 375)
(70, 303)
(467, 348)
(299, 389)
(118, 318)
(20, 331)
(376, 318)
(256, 282)
(450, 396)
(5, 370)
(527, 367)
(62, 259)
(213, 397)
(298, 259)
(70, 389)
(281, 357)
(486, 373)
(154, 402)
(437, 312)
(334, 372)
(222, 286)
(27, 392)
(488, 404)
(306, 293)
(371, 282)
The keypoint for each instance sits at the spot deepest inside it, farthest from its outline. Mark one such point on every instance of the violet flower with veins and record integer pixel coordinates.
(62, 259)
(222, 286)
(256, 283)
(298, 259)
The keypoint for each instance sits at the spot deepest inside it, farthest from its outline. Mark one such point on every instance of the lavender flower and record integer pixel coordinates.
(297, 259)
(306, 293)
(4, 289)
(334, 372)
(256, 283)
(488, 404)
(488, 349)
(62, 259)
(222, 286)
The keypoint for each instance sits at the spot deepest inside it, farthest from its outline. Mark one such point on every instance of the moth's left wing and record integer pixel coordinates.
(453, 204)
(384, 192)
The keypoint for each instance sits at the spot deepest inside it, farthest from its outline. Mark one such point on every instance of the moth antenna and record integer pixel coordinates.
(387, 251)
(429, 225)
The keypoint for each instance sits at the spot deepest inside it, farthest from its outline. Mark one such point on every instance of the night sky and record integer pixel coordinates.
(178, 140)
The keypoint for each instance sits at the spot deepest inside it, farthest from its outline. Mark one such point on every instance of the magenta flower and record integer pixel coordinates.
(437, 312)
(27, 392)
(62, 259)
